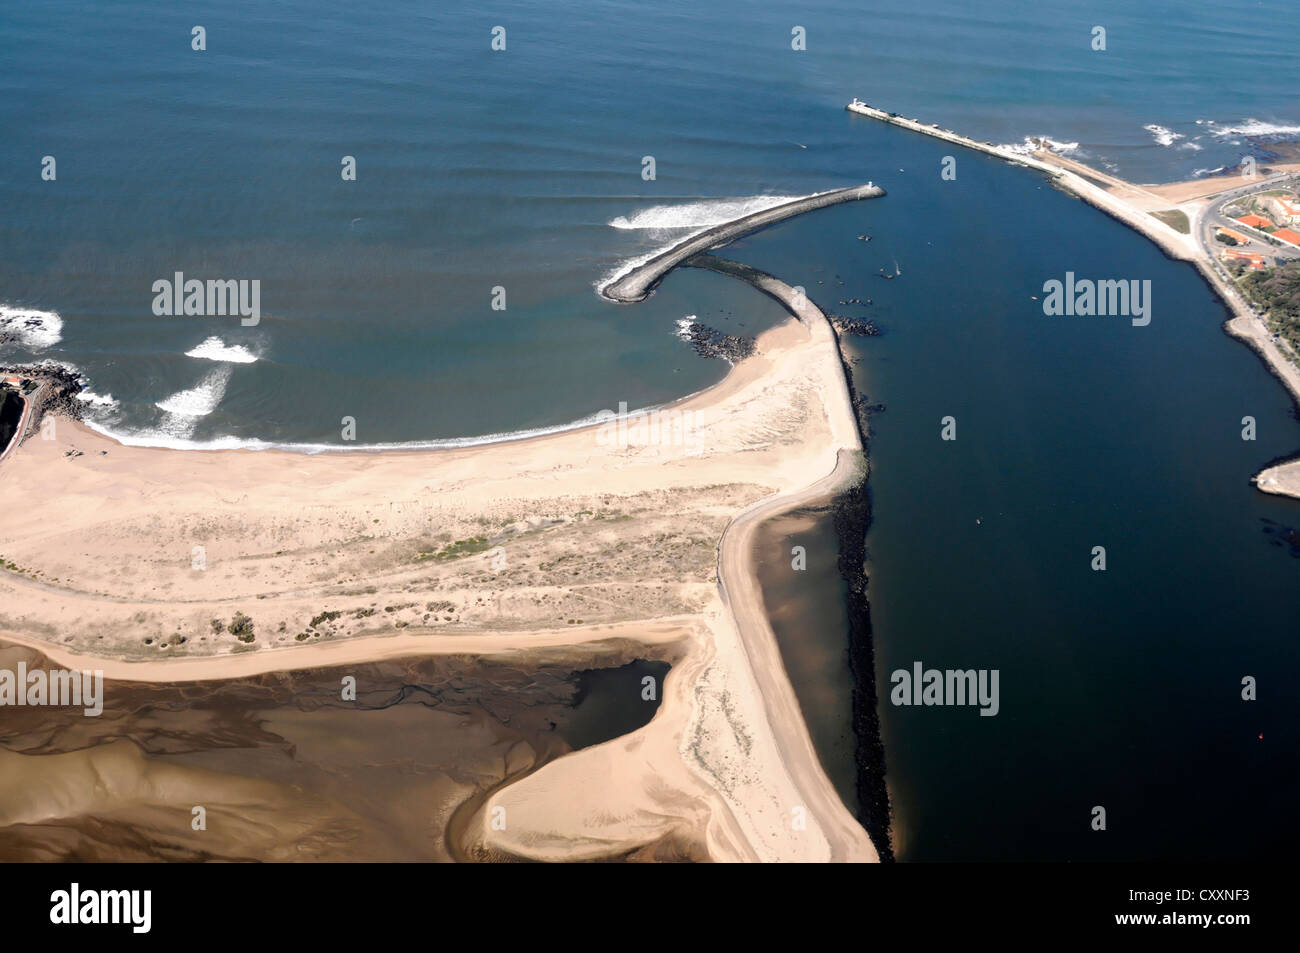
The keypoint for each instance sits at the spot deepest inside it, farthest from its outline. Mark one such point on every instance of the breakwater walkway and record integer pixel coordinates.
(1002, 152)
(636, 283)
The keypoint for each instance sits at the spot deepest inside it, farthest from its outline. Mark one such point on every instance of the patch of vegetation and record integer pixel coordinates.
(326, 616)
(241, 627)
(218, 627)
(462, 547)
(1277, 294)
(1175, 219)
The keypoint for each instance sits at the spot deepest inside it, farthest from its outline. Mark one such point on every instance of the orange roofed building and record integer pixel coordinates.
(1288, 236)
(1237, 237)
(1255, 221)
(1256, 261)
(1286, 208)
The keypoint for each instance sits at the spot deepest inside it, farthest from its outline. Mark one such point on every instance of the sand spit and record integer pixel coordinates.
(175, 565)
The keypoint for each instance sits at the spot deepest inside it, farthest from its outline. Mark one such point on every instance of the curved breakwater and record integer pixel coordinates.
(638, 282)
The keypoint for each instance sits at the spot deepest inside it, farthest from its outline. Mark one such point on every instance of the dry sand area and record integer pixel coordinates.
(138, 561)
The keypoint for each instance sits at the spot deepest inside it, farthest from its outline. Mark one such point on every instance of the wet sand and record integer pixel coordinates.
(808, 612)
(286, 769)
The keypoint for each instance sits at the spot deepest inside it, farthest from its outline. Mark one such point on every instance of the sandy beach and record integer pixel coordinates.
(149, 564)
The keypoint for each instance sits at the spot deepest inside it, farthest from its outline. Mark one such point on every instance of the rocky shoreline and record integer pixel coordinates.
(710, 342)
(857, 327)
(56, 391)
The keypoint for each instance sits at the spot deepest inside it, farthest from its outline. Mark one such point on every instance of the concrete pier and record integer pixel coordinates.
(640, 280)
(1002, 152)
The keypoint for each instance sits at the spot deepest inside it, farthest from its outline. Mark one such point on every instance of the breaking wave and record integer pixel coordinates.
(215, 349)
(1162, 135)
(183, 409)
(699, 214)
(35, 329)
(97, 400)
(1034, 143)
(1257, 127)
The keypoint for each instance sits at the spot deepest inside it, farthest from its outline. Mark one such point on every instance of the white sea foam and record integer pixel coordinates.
(698, 216)
(1034, 143)
(1200, 172)
(97, 400)
(215, 349)
(173, 437)
(32, 328)
(684, 327)
(183, 409)
(1190, 146)
(703, 214)
(1258, 127)
(1162, 135)
(200, 400)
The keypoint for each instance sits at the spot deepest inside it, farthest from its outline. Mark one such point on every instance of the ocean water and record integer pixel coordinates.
(522, 170)
(518, 170)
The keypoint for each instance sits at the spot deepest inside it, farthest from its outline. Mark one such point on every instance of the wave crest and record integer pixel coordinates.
(703, 214)
(215, 349)
(32, 328)
(1162, 135)
(1258, 127)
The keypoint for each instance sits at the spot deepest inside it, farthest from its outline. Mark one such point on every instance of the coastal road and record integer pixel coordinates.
(1214, 217)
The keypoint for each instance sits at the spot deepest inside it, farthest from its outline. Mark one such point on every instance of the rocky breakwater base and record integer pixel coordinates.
(638, 282)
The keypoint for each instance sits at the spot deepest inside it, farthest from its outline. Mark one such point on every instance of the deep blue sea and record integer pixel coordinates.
(482, 171)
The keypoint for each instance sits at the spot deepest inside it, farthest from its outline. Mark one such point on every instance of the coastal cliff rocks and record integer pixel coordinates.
(58, 393)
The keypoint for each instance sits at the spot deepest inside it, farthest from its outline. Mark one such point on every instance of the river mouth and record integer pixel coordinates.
(282, 767)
